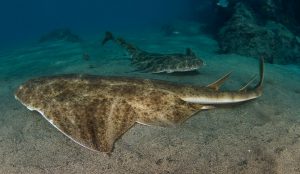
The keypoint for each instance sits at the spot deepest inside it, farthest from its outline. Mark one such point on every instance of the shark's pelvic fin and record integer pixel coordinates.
(217, 84)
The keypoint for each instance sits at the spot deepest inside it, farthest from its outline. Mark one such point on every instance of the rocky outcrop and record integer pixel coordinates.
(285, 12)
(247, 34)
(60, 34)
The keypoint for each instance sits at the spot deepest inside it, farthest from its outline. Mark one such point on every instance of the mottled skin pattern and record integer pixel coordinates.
(156, 62)
(96, 110)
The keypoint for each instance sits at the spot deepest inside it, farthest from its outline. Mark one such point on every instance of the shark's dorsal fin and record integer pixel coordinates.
(244, 88)
(258, 87)
(189, 52)
(216, 85)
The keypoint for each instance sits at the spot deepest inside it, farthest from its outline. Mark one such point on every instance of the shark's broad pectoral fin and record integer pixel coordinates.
(217, 84)
(96, 125)
(175, 112)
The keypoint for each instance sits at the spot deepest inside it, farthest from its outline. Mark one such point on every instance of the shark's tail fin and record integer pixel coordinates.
(259, 85)
(261, 74)
(108, 36)
(132, 50)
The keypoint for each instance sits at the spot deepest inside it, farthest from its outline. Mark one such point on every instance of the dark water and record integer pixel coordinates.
(22, 21)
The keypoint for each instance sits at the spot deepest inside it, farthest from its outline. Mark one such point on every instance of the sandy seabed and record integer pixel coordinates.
(260, 136)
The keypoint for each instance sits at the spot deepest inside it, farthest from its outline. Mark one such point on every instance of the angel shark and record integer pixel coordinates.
(156, 62)
(95, 111)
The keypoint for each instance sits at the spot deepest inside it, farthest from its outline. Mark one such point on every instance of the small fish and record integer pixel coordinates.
(156, 62)
(95, 111)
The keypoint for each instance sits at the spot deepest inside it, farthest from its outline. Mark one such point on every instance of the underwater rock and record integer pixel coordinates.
(64, 34)
(268, 9)
(281, 11)
(223, 3)
(285, 12)
(245, 34)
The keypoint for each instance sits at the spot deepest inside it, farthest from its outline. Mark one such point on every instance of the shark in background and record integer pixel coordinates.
(157, 62)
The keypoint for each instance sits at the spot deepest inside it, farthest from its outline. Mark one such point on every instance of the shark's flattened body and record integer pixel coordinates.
(156, 62)
(95, 111)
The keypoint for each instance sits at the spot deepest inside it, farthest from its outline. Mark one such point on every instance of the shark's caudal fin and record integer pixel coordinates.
(258, 88)
(259, 85)
(216, 85)
(108, 36)
(120, 41)
(261, 73)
